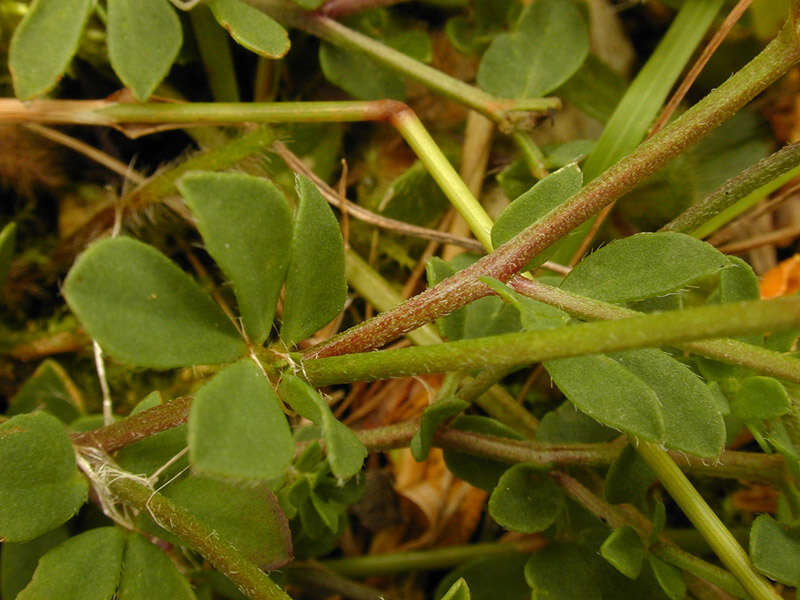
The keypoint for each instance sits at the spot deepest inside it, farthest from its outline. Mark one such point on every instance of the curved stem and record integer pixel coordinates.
(706, 521)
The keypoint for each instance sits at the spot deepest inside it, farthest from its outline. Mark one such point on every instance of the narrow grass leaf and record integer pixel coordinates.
(526, 499)
(316, 288)
(144, 37)
(43, 44)
(251, 28)
(149, 574)
(246, 226)
(145, 311)
(40, 486)
(85, 567)
(237, 429)
(549, 44)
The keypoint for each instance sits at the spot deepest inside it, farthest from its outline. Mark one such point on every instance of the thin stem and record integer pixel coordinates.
(760, 359)
(531, 154)
(464, 287)
(738, 194)
(706, 521)
(418, 560)
(222, 555)
(517, 349)
(497, 109)
(317, 576)
(296, 164)
(414, 132)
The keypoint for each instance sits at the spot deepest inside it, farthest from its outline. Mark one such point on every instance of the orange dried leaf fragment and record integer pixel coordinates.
(781, 280)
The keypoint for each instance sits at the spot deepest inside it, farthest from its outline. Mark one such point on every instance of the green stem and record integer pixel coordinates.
(517, 349)
(223, 556)
(465, 287)
(317, 577)
(331, 31)
(663, 547)
(706, 521)
(739, 194)
(732, 351)
(414, 132)
(531, 154)
(418, 560)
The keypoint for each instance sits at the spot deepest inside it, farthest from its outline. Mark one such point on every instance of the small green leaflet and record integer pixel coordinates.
(316, 288)
(144, 37)
(549, 44)
(143, 310)
(149, 574)
(526, 499)
(246, 226)
(458, 591)
(346, 453)
(237, 429)
(85, 567)
(8, 240)
(775, 550)
(40, 486)
(432, 417)
(251, 28)
(49, 389)
(18, 561)
(625, 551)
(43, 44)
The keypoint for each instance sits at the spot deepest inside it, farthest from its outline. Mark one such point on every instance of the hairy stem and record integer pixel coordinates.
(464, 287)
(517, 349)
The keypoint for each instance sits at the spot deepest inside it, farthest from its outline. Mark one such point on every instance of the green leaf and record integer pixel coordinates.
(490, 577)
(567, 424)
(669, 578)
(628, 478)
(692, 420)
(738, 282)
(309, 4)
(346, 453)
(237, 428)
(610, 393)
(145, 311)
(775, 550)
(251, 28)
(458, 591)
(562, 570)
(526, 499)
(625, 551)
(480, 472)
(358, 75)
(43, 44)
(149, 574)
(316, 288)
(246, 226)
(18, 561)
(40, 488)
(247, 515)
(550, 43)
(8, 241)
(49, 389)
(433, 416)
(760, 398)
(85, 567)
(544, 196)
(625, 270)
(533, 315)
(144, 37)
